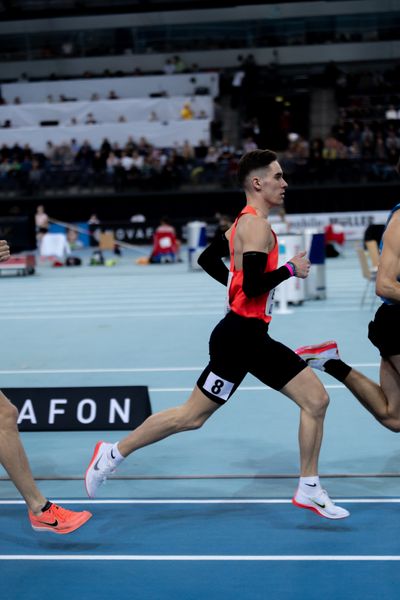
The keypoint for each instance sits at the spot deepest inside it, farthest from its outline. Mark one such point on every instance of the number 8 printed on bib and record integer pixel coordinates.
(217, 386)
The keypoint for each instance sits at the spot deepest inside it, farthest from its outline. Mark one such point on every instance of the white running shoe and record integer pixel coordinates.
(320, 504)
(317, 355)
(99, 468)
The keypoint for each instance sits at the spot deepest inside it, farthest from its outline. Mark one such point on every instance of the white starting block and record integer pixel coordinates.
(19, 265)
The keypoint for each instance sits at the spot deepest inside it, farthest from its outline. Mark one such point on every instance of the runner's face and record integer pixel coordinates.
(272, 184)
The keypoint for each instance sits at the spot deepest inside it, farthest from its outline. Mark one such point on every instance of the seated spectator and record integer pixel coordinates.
(211, 156)
(144, 145)
(186, 112)
(187, 151)
(90, 120)
(137, 160)
(112, 164)
(130, 145)
(179, 63)
(113, 95)
(35, 177)
(169, 67)
(392, 114)
(165, 243)
(153, 116)
(127, 161)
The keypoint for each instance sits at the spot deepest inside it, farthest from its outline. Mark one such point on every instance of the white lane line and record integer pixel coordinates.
(105, 370)
(107, 315)
(153, 315)
(209, 501)
(132, 370)
(135, 304)
(199, 557)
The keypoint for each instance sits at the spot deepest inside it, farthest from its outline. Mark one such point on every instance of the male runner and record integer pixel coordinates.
(383, 400)
(240, 343)
(43, 514)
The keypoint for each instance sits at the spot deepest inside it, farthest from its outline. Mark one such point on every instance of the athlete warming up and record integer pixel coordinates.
(382, 401)
(240, 343)
(43, 514)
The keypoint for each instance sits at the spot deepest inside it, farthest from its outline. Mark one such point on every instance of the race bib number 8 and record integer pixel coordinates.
(215, 385)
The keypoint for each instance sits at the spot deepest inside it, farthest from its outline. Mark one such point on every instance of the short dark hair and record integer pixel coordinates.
(256, 159)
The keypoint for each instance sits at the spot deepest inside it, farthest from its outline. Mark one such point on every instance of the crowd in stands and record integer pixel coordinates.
(362, 146)
(352, 155)
(136, 165)
(349, 155)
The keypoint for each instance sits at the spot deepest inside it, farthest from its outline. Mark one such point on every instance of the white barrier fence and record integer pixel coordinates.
(104, 111)
(159, 135)
(125, 87)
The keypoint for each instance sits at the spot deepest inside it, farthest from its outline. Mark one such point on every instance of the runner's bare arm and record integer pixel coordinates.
(255, 234)
(389, 263)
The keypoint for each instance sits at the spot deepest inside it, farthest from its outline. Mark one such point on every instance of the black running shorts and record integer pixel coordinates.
(240, 345)
(384, 330)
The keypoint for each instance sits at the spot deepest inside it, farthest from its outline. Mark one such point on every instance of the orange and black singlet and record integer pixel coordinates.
(261, 306)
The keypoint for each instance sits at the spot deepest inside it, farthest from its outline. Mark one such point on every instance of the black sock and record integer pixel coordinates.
(46, 506)
(337, 368)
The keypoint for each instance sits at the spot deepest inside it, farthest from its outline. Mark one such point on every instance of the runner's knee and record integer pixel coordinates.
(187, 420)
(8, 414)
(316, 405)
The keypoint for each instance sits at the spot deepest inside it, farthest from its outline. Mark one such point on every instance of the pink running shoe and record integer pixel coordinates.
(317, 355)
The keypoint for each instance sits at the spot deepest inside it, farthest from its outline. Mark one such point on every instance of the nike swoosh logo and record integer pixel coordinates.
(311, 484)
(96, 464)
(50, 524)
(318, 504)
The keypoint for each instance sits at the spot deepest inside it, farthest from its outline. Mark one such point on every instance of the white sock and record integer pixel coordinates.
(310, 485)
(115, 455)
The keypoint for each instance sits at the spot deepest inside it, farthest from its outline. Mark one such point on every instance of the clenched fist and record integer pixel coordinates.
(4, 251)
(302, 264)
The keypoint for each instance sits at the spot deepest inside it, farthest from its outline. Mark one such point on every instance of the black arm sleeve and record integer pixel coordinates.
(211, 259)
(255, 280)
